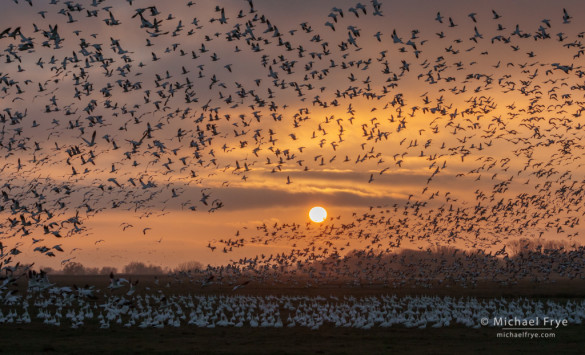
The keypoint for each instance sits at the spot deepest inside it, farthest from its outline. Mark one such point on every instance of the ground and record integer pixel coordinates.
(452, 340)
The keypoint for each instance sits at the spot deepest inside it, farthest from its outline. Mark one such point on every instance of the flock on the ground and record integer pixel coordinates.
(119, 306)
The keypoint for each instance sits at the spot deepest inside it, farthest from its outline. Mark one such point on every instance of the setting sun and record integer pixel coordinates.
(317, 214)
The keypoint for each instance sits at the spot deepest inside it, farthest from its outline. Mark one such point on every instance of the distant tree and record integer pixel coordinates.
(525, 245)
(106, 270)
(520, 246)
(74, 268)
(139, 268)
(443, 250)
(92, 271)
(189, 266)
(558, 244)
(48, 270)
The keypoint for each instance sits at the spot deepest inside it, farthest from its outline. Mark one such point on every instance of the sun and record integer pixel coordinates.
(317, 214)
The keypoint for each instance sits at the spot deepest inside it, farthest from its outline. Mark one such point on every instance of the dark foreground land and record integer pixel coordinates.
(327, 340)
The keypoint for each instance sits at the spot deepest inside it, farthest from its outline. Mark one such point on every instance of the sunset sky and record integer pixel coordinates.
(167, 129)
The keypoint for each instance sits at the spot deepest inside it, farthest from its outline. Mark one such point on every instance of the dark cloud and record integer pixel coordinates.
(262, 198)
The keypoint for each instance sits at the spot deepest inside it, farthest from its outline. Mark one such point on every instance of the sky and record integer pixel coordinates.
(153, 133)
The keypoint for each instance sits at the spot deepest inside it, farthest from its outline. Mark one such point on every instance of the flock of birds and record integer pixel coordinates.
(443, 267)
(108, 105)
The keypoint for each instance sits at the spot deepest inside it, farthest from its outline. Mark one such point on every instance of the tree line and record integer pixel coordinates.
(134, 268)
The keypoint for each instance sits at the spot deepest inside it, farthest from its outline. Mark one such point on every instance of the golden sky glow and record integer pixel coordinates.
(161, 143)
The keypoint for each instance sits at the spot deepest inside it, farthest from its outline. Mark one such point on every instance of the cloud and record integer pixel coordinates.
(263, 198)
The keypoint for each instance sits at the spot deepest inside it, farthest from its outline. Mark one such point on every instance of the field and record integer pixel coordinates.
(38, 337)
(451, 340)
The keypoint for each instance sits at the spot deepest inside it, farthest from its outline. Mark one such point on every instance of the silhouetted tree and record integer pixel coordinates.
(74, 268)
(106, 270)
(137, 267)
(189, 266)
(48, 270)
